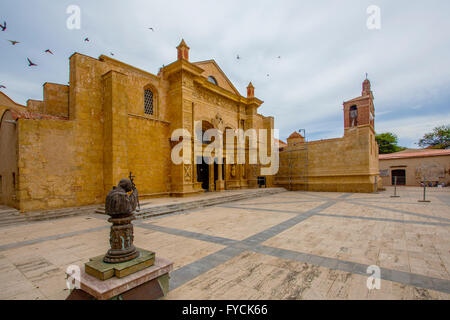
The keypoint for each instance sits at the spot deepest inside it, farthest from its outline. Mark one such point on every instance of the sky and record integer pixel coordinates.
(325, 47)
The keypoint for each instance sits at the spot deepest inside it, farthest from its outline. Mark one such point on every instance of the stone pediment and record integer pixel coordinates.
(211, 68)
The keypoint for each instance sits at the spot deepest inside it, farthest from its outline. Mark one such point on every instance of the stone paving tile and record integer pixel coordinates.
(273, 251)
(229, 223)
(297, 207)
(36, 230)
(429, 209)
(258, 276)
(180, 250)
(360, 209)
(388, 245)
(38, 271)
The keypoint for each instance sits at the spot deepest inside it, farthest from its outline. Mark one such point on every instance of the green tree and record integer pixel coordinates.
(387, 143)
(438, 139)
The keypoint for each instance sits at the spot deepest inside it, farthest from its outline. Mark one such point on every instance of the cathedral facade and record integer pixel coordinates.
(72, 147)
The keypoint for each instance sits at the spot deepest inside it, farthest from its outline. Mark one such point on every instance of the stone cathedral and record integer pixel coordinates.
(112, 119)
(72, 147)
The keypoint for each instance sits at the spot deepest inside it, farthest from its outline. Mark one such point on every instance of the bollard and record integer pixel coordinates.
(395, 188)
(424, 189)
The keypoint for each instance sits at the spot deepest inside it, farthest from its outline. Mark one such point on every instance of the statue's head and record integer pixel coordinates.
(126, 185)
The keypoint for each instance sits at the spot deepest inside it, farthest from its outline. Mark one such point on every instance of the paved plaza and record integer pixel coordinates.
(290, 245)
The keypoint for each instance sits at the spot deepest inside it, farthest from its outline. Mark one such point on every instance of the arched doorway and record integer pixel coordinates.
(401, 177)
(8, 160)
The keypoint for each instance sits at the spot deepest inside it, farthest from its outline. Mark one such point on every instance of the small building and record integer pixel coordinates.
(412, 166)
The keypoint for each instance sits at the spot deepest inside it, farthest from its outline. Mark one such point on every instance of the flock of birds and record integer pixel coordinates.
(3, 27)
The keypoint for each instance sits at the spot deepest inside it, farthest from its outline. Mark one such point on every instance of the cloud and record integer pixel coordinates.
(325, 50)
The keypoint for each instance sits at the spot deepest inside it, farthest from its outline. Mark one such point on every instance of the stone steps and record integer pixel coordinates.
(15, 217)
(145, 213)
(12, 216)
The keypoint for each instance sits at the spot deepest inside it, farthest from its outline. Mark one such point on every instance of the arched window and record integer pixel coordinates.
(148, 101)
(212, 80)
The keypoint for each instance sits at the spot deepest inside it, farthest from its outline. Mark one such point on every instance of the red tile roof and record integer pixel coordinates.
(295, 134)
(418, 154)
(21, 114)
(281, 143)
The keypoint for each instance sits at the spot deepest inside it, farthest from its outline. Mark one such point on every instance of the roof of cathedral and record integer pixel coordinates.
(417, 154)
(212, 61)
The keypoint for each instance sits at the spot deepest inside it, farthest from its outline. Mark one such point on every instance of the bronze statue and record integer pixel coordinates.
(120, 206)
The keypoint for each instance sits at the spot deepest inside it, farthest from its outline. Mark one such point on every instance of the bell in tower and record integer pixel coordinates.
(360, 111)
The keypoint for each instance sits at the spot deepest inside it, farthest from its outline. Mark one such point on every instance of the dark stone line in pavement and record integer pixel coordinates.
(393, 202)
(274, 230)
(195, 269)
(402, 211)
(203, 265)
(187, 234)
(278, 202)
(402, 277)
(54, 237)
(258, 209)
(383, 219)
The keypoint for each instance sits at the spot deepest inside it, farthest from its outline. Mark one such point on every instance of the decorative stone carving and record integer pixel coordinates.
(233, 170)
(218, 122)
(120, 207)
(187, 172)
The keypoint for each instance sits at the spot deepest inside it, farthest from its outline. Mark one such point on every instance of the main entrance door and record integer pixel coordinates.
(203, 174)
(401, 177)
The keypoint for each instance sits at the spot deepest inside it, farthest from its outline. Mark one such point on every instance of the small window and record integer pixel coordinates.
(1, 185)
(14, 180)
(212, 80)
(148, 101)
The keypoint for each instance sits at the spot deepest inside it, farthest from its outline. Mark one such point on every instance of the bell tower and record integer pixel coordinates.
(360, 111)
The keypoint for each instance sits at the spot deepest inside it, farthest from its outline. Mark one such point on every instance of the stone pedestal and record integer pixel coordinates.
(98, 268)
(148, 284)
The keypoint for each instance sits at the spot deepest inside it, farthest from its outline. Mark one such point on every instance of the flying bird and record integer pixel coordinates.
(267, 74)
(2, 87)
(237, 57)
(3, 26)
(13, 42)
(279, 57)
(111, 53)
(48, 51)
(151, 29)
(30, 64)
(86, 39)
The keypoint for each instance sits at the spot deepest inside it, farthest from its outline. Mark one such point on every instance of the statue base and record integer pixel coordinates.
(148, 284)
(101, 270)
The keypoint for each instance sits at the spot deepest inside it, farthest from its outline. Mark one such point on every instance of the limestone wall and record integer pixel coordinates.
(347, 164)
(103, 132)
(46, 165)
(149, 155)
(56, 99)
